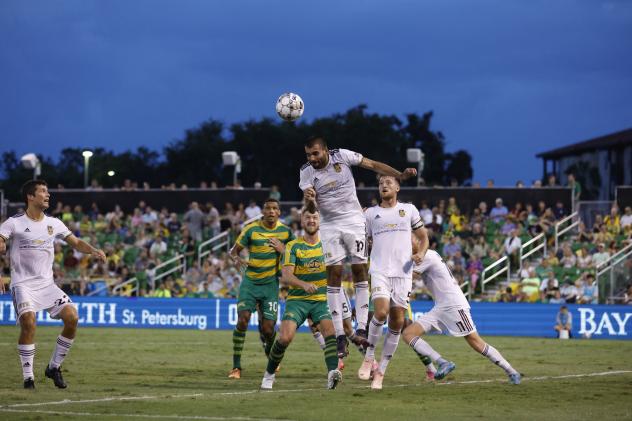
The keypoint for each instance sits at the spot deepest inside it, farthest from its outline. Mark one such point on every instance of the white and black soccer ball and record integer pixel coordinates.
(290, 106)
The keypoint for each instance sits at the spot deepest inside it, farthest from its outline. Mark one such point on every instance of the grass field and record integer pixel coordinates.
(169, 374)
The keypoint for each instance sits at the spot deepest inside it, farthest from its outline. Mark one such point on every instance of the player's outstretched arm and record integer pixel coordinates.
(385, 169)
(288, 278)
(85, 248)
(422, 244)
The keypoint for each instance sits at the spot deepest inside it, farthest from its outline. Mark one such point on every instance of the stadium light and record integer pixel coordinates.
(86, 162)
(416, 155)
(30, 161)
(111, 173)
(232, 158)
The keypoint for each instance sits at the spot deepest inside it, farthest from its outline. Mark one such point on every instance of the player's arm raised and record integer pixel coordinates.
(385, 169)
(288, 278)
(85, 248)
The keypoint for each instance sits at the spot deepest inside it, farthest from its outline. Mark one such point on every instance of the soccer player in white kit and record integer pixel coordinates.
(451, 314)
(327, 179)
(390, 226)
(32, 236)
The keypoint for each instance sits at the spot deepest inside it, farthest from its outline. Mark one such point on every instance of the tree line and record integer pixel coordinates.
(271, 152)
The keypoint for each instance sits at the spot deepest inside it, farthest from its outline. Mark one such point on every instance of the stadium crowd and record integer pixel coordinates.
(137, 243)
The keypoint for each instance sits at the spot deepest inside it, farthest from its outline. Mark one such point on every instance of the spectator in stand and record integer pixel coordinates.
(569, 291)
(546, 221)
(626, 220)
(548, 287)
(252, 210)
(173, 224)
(451, 247)
(537, 183)
(508, 296)
(509, 225)
(512, 246)
(583, 235)
(274, 192)
(557, 297)
(158, 247)
(613, 221)
(559, 211)
(425, 213)
(564, 321)
(530, 287)
(552, 181)
(584, 259)
(150, 216)
(588, 290)
(604, 235)
(490, 183)
(194, 218)
(601, 255)
(575, 186)
(498, 212)
(437, 219)
(213, 220)
(598, 222)
(517, 211)
(483, 208)
(474, 269)
(458, 221)
(519, 184)
(452, 207)
(568, 258)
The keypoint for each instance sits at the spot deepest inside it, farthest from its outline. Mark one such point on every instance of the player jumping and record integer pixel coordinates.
(33, 288)
(327, 180)
(450, 313)
(389, 226)
(304, 271)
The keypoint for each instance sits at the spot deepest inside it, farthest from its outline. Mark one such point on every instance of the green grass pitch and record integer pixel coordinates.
(179, 375)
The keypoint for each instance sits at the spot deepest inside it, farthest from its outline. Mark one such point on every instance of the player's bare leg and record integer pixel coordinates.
(26, 348)
(380, 311)
(334, 283)
(239, 337)
(361, 284)
(391, 340)
(64, 341)
(479, 345)
(412, 335)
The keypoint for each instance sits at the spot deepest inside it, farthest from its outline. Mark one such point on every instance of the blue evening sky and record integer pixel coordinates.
(506, 78)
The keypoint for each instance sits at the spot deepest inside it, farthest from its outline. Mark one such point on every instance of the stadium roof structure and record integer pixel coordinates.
(622, 138)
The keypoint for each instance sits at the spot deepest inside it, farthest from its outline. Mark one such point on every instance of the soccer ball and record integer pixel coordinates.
(289, 106)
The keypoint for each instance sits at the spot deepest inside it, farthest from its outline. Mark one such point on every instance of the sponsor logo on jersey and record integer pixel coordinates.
(402, 213)
(313, 265)
(50, 229)
(337, 167)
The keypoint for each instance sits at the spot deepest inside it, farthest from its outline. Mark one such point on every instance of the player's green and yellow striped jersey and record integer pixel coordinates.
(309, 266)
(263, 261)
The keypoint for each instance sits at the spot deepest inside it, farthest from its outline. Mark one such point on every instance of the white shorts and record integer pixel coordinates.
(340, 242)
(455, 321)
(397, 290)
(50, 298)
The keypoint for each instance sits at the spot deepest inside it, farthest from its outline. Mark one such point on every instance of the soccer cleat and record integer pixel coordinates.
(378, 377)
(364, 372)
(342, 346)
(235, 373)
(29, 383)
(515, 378)
(444, 369)
(55, 374)
(430, 375)
(333, 378)
(341, 364)
(267, 381)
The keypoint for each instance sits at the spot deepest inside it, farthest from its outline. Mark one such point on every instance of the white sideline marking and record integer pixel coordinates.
(177, 417)
(118, 343)
(250, 392)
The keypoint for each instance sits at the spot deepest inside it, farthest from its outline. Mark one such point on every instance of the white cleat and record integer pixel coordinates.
(378, 377)
(267, 382)
(364, 372)
(333, 378)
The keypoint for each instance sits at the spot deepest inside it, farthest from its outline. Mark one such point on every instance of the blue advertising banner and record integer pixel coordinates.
(510, 319)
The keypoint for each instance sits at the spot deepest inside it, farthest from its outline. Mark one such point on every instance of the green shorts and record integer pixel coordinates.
(267, 296)
(300, 310)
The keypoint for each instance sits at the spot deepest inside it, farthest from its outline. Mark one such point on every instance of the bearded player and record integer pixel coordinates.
(327, 180)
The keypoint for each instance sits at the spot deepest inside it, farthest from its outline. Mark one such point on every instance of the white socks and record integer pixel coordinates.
(494, 356)
(390, 345)
(60, 352)
(422, 347)
(319, 338)
(27, 354)
(362, 304)
(335, 307)
(375, 332)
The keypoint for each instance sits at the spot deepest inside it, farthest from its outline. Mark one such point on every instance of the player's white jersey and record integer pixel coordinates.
(32, 252)
(440, 282)
(335, 188)
(391, 229)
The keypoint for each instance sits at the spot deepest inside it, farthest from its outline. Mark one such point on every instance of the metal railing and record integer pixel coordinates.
(177, 263)
(468, 292)
(573, 218)
(608, 267)
(541, 239)
(505, 269)
(218, 242)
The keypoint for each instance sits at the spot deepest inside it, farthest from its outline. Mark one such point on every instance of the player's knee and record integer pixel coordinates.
(334, 274)
(27, 322)
(242, 321)
(380, 314)
(71, 318)
(359, 273)
(267, 329)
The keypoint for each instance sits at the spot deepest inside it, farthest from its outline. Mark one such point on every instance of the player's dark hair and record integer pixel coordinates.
(273, 200)
(315, 140)
(310, 207)
(30, 187)
(379, 177)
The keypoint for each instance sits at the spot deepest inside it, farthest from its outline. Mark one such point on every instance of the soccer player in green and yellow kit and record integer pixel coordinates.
(304, 271)
(265, 240)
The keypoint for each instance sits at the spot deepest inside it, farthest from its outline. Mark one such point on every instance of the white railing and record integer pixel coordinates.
(541, 239)
(609, 266)
(218, 242)
(573, 218)
(467, 292)
(179, 263)
(505, 269)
